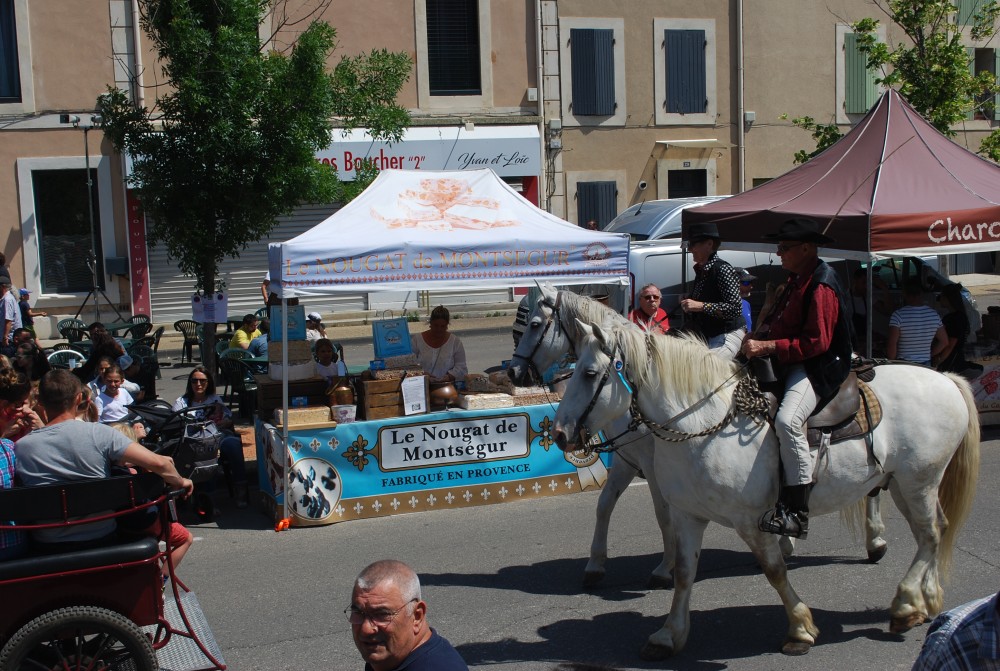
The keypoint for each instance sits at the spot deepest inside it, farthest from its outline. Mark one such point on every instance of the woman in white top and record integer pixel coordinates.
(441, 354)
(112, 401)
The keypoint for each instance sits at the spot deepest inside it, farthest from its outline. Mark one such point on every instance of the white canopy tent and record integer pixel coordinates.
(443, 230)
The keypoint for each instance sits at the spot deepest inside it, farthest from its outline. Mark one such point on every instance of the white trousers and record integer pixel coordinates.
(789, 424)
(727, 345)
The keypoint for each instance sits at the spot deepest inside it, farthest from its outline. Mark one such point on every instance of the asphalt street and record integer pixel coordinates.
(503, 582)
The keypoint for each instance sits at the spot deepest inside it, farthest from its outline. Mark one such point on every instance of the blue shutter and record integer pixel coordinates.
(859, 82)
(597, 201)
(685, 53)
(966, 10)
(996, 74)
(593, 57)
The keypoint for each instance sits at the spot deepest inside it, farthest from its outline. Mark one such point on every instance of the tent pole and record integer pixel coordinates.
(284, 402)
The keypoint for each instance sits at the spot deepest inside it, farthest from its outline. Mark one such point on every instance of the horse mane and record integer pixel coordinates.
(682, 369)
(587, 311)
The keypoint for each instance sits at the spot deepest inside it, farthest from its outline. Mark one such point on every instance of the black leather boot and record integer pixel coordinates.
(790, 517)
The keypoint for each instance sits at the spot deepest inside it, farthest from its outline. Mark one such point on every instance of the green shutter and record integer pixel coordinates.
(859, 82)
(996, 74)
(966, 10)
(971, 53)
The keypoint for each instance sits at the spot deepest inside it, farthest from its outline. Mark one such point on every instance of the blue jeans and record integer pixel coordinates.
(231, 451)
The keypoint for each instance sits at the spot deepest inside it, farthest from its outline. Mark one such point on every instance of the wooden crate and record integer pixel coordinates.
(381, 399)
(269, 394)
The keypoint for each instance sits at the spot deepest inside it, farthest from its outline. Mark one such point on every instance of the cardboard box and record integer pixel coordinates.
(298, 350)
(381, 399)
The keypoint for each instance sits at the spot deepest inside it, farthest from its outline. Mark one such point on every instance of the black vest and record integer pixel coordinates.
(708, 325)
(827, 371)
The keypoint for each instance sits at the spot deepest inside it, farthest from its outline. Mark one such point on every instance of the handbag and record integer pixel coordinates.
(391, 336)
(197, 455)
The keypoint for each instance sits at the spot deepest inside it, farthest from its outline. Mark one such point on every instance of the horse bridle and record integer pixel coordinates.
(554, 317)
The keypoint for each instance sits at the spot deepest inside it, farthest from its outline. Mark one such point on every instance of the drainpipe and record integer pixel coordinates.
(740, 102)
(543, 195)
(140, 95)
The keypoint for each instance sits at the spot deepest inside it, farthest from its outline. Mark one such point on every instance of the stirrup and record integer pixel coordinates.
(784, 522)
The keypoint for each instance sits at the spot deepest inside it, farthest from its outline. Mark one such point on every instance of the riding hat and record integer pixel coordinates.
(799, 229)
(699, 232)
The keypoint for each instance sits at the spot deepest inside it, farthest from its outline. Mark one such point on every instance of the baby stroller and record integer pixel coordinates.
(191, 442)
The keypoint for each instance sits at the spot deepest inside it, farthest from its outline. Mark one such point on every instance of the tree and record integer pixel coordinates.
(932, 69)
(230, 144)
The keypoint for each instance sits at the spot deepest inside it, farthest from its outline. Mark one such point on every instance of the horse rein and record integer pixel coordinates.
(554, 316)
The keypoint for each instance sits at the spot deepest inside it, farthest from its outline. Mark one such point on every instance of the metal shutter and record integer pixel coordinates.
(859, 82)
(453, 47)
(966, 10)
(685, 53)
(596, 200)
(593, 71)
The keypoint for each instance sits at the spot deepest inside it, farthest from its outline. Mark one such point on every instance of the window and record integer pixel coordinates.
(10, 71)
(687, 183)
(597, 201)
(860, 92)
(453, 47)
(592, 71)
(56, 232)
(684, 65)
(454, 66)
(985, 60)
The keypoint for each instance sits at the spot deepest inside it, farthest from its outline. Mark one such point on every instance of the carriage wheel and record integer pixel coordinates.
(77, 638)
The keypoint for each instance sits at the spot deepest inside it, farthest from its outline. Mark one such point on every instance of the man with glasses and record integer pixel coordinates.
(809, 334)
(648, 315)
(389, 622)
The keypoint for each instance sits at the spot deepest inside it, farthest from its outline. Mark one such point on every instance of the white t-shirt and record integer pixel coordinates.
(112, 409)
(331, 370)
(448, 358)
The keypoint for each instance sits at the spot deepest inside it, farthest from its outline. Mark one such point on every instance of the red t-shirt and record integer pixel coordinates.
(799, 336)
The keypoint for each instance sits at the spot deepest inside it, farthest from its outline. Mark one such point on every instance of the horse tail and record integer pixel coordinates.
(958, 486)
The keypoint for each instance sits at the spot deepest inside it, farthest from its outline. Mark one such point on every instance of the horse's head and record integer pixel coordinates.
(544, 342)
(597, 393)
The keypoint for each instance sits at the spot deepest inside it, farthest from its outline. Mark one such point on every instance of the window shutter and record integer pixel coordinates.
(597, 201)
(593, 72)
(685, 54)
(966, 10)
(10, 73)
(971, 53)
(996, 74)
(859, 82)
(453, 47)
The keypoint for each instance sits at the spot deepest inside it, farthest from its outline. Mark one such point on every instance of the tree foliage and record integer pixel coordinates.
(931, 69)
(230, 143)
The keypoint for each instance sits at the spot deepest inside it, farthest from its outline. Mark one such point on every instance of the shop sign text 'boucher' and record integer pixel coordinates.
(454, 442)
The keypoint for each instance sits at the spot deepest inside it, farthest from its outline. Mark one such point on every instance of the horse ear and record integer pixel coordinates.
(602, 335)
(583, 328)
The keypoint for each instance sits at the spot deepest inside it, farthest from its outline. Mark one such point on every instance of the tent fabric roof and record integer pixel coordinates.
(893, 185)
(431, 230)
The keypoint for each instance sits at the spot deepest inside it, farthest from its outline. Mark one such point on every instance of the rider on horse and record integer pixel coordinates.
(809, 333)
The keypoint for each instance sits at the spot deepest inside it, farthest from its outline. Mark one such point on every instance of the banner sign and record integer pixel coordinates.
(138, 260)
(442, 460)
(510, 151)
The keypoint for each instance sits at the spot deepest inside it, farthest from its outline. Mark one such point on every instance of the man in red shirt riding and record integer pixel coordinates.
(809, 334)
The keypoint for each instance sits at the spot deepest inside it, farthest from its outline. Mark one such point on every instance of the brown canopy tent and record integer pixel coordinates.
(893, 186)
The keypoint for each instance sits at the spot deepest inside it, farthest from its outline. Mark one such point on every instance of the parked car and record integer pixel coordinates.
(655, 219)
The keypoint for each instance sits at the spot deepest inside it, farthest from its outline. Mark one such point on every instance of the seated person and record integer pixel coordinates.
(104, 363)
(245, 333)
(112, 402)
(65, 450)
(130, 373)
(649, 316)
(14, 392)
(328, 364)
(258, 346)
(441, 354)
(314, 326)
(200, 390)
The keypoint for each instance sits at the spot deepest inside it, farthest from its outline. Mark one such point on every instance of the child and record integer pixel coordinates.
(327, 364)
(27, 314)
(113, 402)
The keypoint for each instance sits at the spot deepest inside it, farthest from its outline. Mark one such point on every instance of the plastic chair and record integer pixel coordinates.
(263, 313)
(139, 330)
(139, 319)
(189, 329)
(66, 358)
(237, 374)
(235, 353)
(74, 330)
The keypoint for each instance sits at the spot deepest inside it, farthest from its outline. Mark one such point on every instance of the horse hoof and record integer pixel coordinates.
(877, 553)
(795, 648)
(651, 652)
(901, 625)
(659, 582)
(592, 578)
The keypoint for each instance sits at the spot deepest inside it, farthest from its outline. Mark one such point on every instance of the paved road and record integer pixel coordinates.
(503, 584)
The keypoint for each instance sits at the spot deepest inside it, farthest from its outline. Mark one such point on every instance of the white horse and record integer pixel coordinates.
(926, 450)
(550, 333)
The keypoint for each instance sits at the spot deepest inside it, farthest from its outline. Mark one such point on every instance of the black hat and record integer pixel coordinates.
(699, 232)
(799, 229)
(744, 275)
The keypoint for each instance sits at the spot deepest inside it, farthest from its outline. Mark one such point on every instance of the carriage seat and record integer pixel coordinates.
(70, 503)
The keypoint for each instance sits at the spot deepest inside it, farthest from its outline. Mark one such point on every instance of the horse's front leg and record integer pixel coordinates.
(622, 473)
(802, 632)
(672, 637)
(661, 577)
(874, 528)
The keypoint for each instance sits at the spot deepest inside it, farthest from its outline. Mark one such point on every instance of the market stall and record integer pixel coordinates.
(422, 231)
